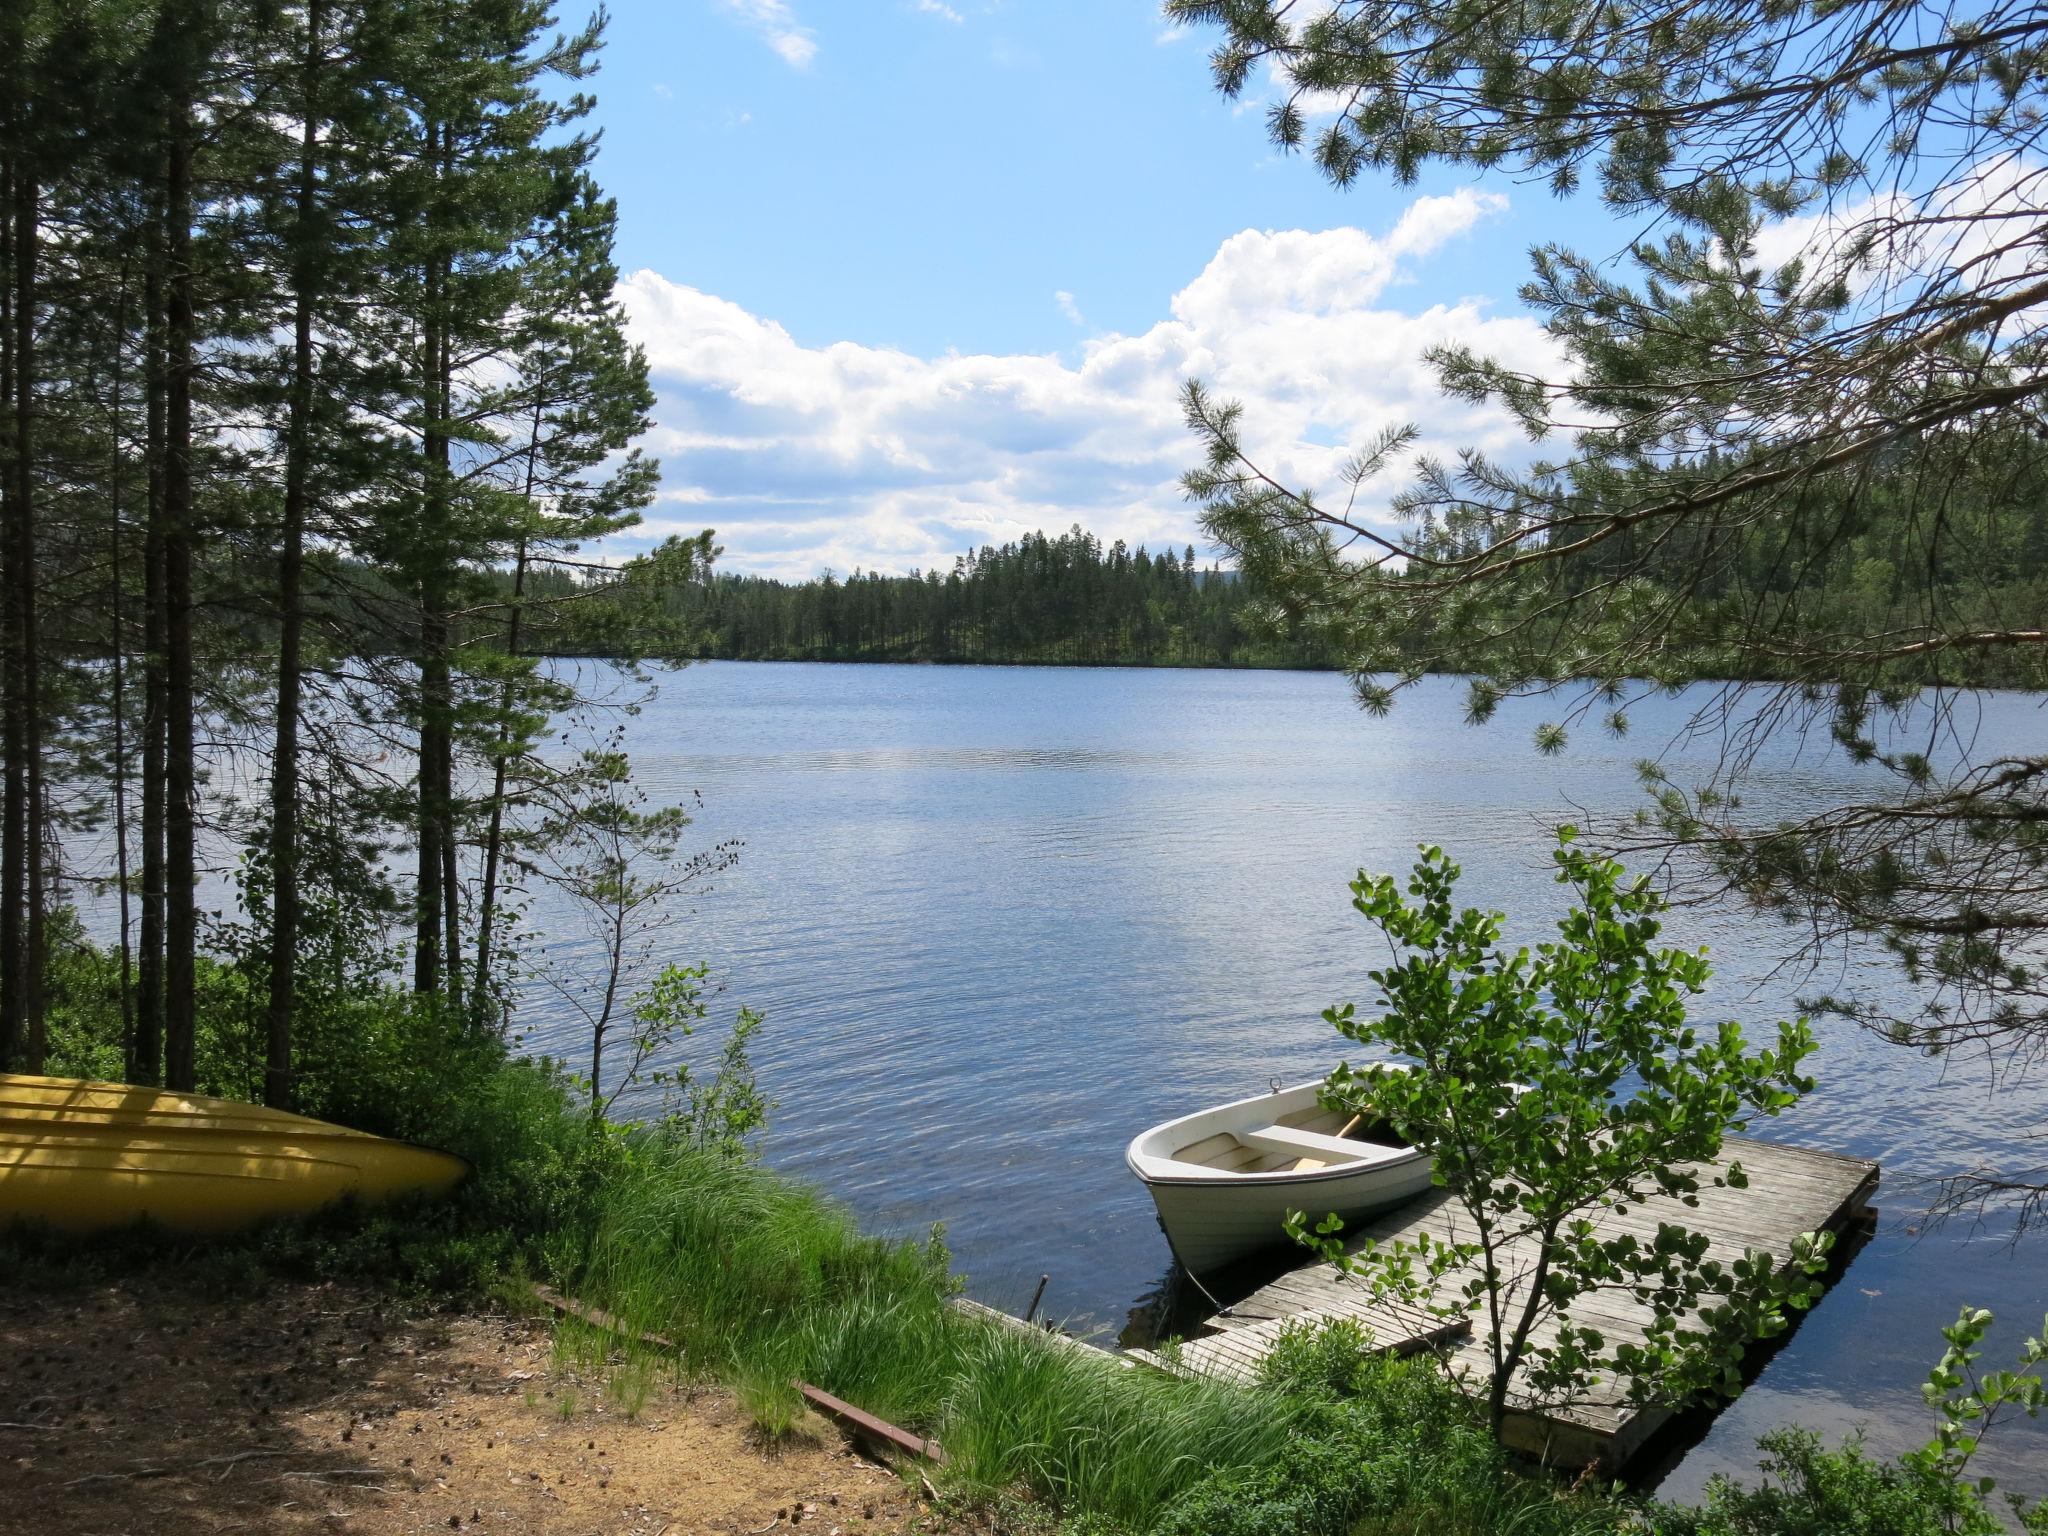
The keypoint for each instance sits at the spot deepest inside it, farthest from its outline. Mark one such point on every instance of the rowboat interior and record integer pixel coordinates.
(1298, 1141)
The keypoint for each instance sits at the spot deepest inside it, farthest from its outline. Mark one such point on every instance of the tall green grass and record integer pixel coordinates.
(1094, 1437)
(759, 1280)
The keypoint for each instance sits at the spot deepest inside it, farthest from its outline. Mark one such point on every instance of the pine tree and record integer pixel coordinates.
(584, 391)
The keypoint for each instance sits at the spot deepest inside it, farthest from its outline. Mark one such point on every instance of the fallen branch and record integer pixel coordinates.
(227, 1464)
(118, 1477)
(321, 1477)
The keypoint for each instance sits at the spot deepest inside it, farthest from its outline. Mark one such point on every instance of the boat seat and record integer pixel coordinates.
(1311, 1144)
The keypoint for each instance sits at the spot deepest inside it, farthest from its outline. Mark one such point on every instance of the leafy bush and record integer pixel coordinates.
(1319, 1490)
(1808, 1490)
(1555, 1085)
(376, 1056)
(85, 1031)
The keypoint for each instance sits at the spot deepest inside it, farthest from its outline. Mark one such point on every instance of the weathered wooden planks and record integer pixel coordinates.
(1792, 1191)
(1238, 1354)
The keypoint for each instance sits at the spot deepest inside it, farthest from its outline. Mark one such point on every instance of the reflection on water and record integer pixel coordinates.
(720, 767)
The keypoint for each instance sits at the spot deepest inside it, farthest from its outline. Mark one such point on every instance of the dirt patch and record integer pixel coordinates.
(133, 1407)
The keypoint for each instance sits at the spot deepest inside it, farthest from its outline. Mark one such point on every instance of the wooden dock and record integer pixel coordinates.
(1791, 1191)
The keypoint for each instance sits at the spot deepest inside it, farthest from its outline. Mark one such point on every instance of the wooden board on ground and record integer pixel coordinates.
(880, 1434)
(1792, 1191)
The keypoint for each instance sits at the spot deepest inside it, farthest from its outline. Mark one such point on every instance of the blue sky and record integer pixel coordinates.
(917, 276)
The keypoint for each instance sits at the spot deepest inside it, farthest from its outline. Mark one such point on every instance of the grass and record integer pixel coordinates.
(760, 1281)
(1087, 1435)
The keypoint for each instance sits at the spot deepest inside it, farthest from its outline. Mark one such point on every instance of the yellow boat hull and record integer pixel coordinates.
(83, 1156)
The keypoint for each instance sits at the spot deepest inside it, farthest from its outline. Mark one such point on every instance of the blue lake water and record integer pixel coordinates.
(1000, 919)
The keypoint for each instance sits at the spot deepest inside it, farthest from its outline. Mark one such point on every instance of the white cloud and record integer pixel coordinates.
(779, 28)
(1984, 222)
(944, 12)
(849, 455)
(1068, 307)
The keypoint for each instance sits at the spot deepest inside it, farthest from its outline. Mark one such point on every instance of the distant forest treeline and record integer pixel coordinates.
(1070, 599)
(1066, 599)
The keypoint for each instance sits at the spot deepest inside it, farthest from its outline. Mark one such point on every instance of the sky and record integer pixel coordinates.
(920, 275)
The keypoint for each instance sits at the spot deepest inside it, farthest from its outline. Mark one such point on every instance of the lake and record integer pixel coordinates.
(1001, 919)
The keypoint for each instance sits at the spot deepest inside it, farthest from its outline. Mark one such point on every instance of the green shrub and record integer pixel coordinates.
(85, 1034)
(1809, 1490)
(1320, 1489)
(379, 1058)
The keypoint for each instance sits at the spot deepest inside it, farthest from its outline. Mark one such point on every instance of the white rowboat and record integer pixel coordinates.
(1225, 1178)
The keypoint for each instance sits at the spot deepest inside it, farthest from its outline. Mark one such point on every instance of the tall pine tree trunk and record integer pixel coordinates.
(13, 766)
(436, 958)
(451, 881)
(180, 776)
(117, 552)
(494, 836)
(22, 599)
(145, 1064)
(284, 784)
(487, 901)
(428, 909)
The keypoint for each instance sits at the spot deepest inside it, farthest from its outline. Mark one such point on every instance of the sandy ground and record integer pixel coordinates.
(127, 1407)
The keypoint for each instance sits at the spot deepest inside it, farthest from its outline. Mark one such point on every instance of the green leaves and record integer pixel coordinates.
(1557, 1086)
(1967, 1401)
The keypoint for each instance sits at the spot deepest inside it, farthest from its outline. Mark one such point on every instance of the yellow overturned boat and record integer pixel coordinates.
(83, 1156)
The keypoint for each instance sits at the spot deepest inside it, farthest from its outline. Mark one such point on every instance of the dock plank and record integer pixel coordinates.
(1791, 1191)
(1239, 1354)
